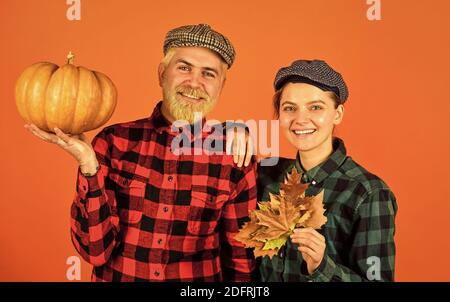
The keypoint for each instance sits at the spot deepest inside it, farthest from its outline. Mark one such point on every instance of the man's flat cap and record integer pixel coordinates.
(315, 72)
(201, 35)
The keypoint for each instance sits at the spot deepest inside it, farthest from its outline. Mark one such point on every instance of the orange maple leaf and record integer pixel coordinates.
(274, 221)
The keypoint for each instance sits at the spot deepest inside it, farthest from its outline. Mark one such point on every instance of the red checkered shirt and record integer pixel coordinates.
(151, 215)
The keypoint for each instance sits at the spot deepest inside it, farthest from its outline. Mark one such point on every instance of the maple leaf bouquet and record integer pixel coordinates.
(271, 225)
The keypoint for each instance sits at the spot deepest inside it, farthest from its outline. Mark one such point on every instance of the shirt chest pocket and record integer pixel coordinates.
(205, 211)
(129, 195)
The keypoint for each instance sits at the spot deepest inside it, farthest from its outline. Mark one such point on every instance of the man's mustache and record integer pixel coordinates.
(195, 92)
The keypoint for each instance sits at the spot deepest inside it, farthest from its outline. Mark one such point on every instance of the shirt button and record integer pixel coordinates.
(165, 209)
(160, 241)
(313, 182)
(170, 178)
(156, 273)
(125, 182)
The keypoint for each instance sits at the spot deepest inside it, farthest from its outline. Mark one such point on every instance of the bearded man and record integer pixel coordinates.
(144, 213)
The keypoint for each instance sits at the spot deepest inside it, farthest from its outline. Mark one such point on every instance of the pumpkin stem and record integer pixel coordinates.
(70, 57)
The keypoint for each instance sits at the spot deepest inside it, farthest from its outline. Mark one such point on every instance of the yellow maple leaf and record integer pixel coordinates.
(275, 243)
(259, 252)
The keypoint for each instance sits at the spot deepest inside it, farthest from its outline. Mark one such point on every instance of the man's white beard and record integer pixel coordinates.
(185, 110)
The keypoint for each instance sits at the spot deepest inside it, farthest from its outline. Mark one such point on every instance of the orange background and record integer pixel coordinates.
(396, 122)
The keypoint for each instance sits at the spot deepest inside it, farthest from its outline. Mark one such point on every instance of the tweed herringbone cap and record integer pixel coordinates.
(201, 35)
(316, 71)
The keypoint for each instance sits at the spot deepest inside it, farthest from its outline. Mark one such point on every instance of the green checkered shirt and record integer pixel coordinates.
(359, 233)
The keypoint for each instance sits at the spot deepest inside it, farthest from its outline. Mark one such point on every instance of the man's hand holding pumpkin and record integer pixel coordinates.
(76, 145)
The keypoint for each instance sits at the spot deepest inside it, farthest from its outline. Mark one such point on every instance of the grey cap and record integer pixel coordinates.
(201, 35)
(315, 72)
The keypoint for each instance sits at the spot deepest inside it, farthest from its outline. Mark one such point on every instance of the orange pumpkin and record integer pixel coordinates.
(74, 99)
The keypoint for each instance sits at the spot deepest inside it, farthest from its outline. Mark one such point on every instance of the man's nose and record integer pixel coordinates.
(195, 79)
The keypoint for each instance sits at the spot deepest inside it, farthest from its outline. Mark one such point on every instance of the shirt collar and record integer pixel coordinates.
(157, 121)
(330, 165)
(160, 124)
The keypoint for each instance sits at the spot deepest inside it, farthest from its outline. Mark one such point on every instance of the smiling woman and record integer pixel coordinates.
(308, 116)
(357, 242)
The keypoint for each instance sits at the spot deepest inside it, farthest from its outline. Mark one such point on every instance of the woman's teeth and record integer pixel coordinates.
(299, 132)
